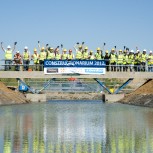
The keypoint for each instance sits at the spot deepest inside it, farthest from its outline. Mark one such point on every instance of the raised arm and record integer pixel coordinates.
(2, 46)
(14, 46)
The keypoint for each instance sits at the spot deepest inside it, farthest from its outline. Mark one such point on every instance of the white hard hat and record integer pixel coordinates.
(17, 52)
(8, 46)
(25, 47)
(132, 51)
(150, 51)
(138, 50)
(144, 50)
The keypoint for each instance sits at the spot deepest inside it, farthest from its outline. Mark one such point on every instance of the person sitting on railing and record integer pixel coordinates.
(113, 59)
(125, 61)
(106, 58)
(17, 61)
(35, 58)
(26, 59)
(120, 61)
(150, 62)
(131, 60)
(8, 55)
(143, 59)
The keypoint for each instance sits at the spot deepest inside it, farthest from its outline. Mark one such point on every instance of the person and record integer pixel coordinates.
(120, 61)
(64, 55)
(85, 53)
(131, 60)
(8, 55)
(50, 54)
(143, 59)
(17, 61)
(150, 62)
(26, 59)
(35, 58)
(113, 60)
(70, 55)
(42, 57)
(137, 61)
(106, 58)
(91, 55)
(78, 50)
(57, 54)
(98, 55)
(125, 61)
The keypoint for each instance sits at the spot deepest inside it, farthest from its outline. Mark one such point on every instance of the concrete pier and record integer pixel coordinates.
(36, 97)
(112, 98)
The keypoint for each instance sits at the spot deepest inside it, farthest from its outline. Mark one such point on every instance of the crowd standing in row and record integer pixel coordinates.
(115, 60)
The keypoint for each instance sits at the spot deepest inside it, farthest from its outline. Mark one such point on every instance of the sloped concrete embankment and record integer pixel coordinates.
(143, 96)
(8, 96)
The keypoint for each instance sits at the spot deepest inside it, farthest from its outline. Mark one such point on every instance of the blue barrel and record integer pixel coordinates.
(23, 88)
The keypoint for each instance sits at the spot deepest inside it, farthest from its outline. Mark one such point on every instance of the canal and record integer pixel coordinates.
(76, 127)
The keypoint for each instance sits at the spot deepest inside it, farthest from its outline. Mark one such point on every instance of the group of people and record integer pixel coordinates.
(122, 60)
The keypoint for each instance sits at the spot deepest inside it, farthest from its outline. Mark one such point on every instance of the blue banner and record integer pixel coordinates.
(75, 63)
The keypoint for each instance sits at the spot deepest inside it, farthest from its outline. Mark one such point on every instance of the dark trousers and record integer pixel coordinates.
(25, 65)
(113, 66)
(8, 64)
(41, 65)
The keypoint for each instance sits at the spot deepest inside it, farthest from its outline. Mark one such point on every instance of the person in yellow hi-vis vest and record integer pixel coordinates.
(8, 55)
(131, 60)
(42, 57)
(64, 55)
(120, 61)
(26, 59)
(85, 53)
(57, 54)
(70, 55)
(143, 59)
(113, 60)
(91, 55)
(99, 55)
(35, 58)
(50, 54)
(150, 62)
(78, 48)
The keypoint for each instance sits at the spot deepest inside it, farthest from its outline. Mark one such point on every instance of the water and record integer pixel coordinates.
(76, 127)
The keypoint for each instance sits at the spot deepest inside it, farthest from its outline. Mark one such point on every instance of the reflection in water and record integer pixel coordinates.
(75, 127)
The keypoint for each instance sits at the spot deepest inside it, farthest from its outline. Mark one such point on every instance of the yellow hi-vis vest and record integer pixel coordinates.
(78, 55)
(50, 55)
(92, 57)
(85, 55)
(125, 59)
(120, 59)
(58, 56)
(98, 56)
(8, 55)
(64, 56)
(35, 58)
(70, 56)
(42, 56)
(137, 59)
(143, 57)
(25, 55)
(150, 60)
(131, 59)
(112, 58)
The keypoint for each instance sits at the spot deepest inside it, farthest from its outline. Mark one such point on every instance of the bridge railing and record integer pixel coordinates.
(112, 67)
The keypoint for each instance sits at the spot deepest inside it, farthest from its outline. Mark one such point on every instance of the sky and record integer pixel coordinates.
(115, 22)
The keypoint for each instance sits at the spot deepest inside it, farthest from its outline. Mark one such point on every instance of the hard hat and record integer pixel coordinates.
(8, 46)
(43, 48)
(25, 47)
(64, 50)
(144, 50)
(51, 48)
(125, 51)
(150, 51)
(106, 51)
(138, 50)
(35, 50)
(120, 50)
(98, 48)
(91, 51)
(70, 50)
(132, 51)
(17, 52)
(80, 46)
(86, 48)
(113, 49)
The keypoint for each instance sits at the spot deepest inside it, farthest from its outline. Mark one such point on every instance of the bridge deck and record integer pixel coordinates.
(40, 74)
